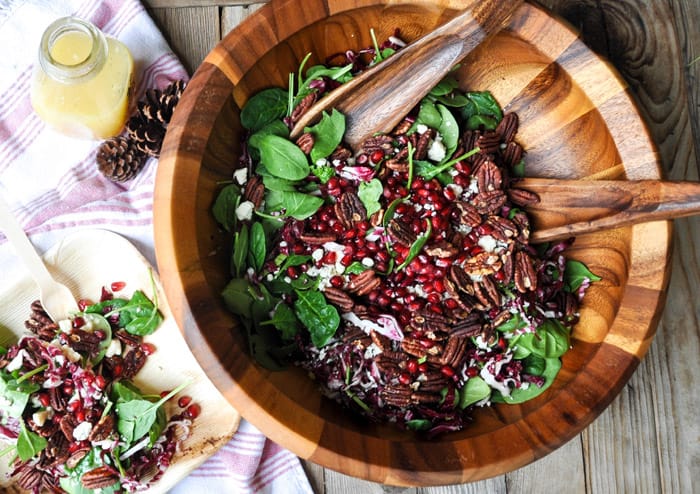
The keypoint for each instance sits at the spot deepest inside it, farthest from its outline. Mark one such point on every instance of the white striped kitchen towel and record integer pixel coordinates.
(52, 184)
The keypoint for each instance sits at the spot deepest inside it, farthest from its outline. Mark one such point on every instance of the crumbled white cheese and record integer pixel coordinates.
(82, 431)
(456, 189)
(372, 351)
(65, 325)
(368, 262)
(487, 242)
(70, 354)
(473, 186)
(421, 128)
(317, 255)
(244, 211)
(16, 363)
(321, 162)
(241, 176)
(437, 150)
(114, 348)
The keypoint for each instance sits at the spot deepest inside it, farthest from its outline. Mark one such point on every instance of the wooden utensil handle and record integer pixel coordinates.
(572, 207)
(378, 99)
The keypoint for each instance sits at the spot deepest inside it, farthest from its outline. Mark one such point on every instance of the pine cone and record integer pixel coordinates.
(147, 127)
(119, 159)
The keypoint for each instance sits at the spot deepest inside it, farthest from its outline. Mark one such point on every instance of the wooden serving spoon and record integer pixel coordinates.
(378, 98)
(56, 299)
(571, 207)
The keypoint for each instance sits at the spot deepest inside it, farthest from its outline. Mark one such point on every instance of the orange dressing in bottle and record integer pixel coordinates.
(82, 80)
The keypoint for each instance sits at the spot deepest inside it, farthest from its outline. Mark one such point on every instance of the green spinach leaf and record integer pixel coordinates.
(285, 321)
(283, 158)
(224, 208)
(449, 130)
(29, 444)
(320, 318)
(473, 391)
(369, 193)
(550, 340)
(552, 366)
(327, 134)
(264, 107)
(257, 249)
(576, 273)
(240, 251)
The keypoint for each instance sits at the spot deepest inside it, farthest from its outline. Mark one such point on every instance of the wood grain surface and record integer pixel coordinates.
(648, 440)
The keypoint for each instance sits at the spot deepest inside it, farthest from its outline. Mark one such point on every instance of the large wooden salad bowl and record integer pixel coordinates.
(577, 121)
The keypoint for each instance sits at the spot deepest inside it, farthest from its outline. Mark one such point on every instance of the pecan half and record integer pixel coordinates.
(468, 215)
(341, 153)
(482, 264)
(426, 398)
(469, 139)
(57, 399)
(303, 106)
(442, 249)
(423, 144)
(339, 298)
(102, 429)
(77, 456)
(99, 477)
(380, 340)
(413, 347)
(489, 142)
(508, 127)
(455, 349)
(487, 292)
(84, 341)
(306, 142)
(401, 232)
(317, 238)
(512, 154)
(403, 126)
(28, 477)
(254, 190)
(68, 424)
(525, 276)
(350, 210)
(364, 282)
(489, 177)
(489, 201)
(461, 279)
(378, 143)
(502, 228)
(396, 165)
(471, 325)
(396, 396)
(134, 360)
(428, 320)
(522, 197)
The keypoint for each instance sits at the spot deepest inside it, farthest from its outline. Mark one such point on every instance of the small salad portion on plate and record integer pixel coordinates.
(110, 399)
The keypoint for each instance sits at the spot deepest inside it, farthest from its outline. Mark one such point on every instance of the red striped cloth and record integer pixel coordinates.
(52, 184)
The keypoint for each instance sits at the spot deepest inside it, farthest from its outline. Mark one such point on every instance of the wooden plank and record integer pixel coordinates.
(232, 16)
(560, 471)
(191, 32)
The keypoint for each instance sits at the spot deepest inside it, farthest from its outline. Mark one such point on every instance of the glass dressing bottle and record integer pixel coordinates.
(82, 80)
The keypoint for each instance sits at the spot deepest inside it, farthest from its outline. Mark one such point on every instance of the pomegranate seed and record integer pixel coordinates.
(383, 300)
(349, 235)
(434, 298)
(165, 393)
(412, 366)
(337, 281)
(376, 156)
(100, 334)
(67, 389)
(451, 304)
(83, 304)
(106, 295)
(396, 306)
(361, 159)
(472, 372)
(117, 370)
(439, 285)
(100, 382)
(502, 343)
(193, 411)
(423, 367)
(475, 250)
(449, 194)
(117, 286)
(337, 228)
(346, 260)
(148, 348)
(404, 379)
(74, 406)
(78, 322)
(44, 399)
(462, 180)
(80, 416)
(293, 272)
(184, 401)
(447, 371)
(329, 258)
(426, 343)
(73, 447)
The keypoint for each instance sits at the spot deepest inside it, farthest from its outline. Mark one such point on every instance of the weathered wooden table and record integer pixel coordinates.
(648, 440)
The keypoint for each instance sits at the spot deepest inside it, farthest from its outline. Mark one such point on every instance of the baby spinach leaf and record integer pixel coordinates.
(551, 369)
(355, 268)
(225, 204)
(449, 130)
(454, 99)
(550, 340)
(576, 273)
(257, 248)
(276, 127)
(285, 321)
(534, 365)
(283, 158)
(319, 317)
(473, 391)
(515, 322)
(237, 296)
(291, 260)
(419, 424)
(140, 316)
(428, 114)
(29, 444)
(324, 173)
(240, 251)
(15, 396)
(369, 193)
(264, 107)
(445, 86)
(327, 134)
(299, 205)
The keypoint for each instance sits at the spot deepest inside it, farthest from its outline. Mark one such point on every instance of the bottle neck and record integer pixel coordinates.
(72, 50)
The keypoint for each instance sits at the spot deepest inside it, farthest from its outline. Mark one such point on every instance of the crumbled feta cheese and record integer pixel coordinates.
(244, 211)
(321, 162)
(421, 128)
(82, 431)
(456, 189)
(487, 242)
(241, 176)
(16, 363)
(70, 354)
(372, 351)
(473, 186)
(114, 348)
(368, 262)
(317, 255)
(437, 150)
(65, 325)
